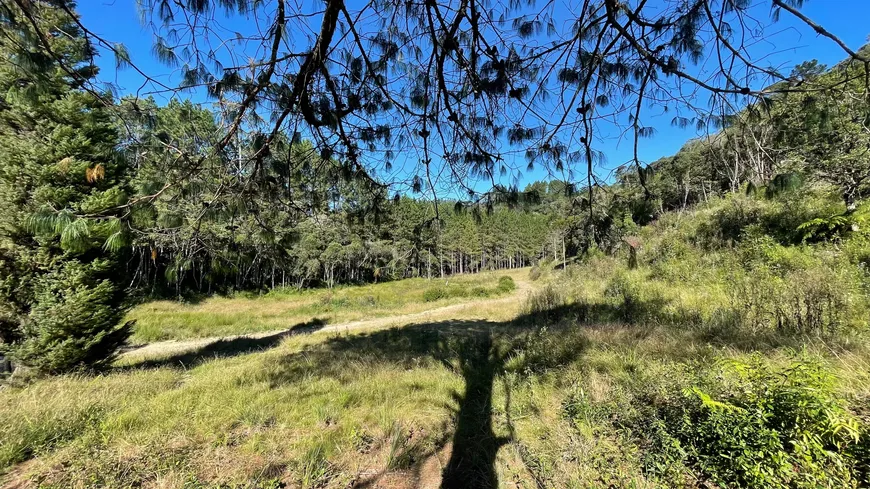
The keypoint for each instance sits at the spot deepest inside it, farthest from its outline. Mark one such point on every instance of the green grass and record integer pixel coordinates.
(282, 309)
(484, 400)
(662, 376)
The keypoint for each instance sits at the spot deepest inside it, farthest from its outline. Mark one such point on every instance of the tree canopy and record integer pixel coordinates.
(449, 90)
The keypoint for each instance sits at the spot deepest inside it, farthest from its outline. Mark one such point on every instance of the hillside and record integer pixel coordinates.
(657, 376)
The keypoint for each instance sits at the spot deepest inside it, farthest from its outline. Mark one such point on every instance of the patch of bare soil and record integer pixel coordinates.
(426, 474)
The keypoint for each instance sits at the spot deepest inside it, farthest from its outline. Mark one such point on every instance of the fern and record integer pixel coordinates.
(824, 228)
(711, 403)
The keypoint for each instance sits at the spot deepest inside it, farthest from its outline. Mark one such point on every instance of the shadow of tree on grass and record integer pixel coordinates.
(477, 350)
(239, 345)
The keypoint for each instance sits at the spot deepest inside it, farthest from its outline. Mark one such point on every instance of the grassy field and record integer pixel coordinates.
(284, 309)
(523, 399)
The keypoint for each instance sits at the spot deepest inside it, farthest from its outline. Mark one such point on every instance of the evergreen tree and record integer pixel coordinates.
(60, 182)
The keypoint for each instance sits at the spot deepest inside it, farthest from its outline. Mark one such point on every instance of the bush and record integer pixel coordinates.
(857, 247)
(805, 302)
(637, 301)
(543, 350)
(506, 284)
(743, 425)
(673, 258)
(728, 222)
(435, 293)
(795, 289)
(479, 292)
(780, 218)
(330, 302)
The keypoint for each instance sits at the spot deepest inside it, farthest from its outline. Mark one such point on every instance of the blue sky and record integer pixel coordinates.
(789, 41)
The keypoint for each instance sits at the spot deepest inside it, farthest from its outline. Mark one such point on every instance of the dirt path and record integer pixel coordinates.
(172, 347)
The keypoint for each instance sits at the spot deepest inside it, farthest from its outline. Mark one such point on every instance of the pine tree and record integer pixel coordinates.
(60, 181)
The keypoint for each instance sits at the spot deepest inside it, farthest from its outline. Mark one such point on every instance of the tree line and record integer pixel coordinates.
(304, 223)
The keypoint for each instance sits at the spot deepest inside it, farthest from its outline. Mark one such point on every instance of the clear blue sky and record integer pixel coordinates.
(118, 21)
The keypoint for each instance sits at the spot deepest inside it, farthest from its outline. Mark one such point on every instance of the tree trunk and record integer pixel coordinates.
(564, 257)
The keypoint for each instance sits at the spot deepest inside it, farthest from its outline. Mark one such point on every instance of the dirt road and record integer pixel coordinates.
(453, 311)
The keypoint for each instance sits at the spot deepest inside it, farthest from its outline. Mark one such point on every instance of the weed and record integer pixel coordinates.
(314, 468)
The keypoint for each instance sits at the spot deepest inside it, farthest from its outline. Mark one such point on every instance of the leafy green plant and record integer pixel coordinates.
(745, 424)
(825, 228)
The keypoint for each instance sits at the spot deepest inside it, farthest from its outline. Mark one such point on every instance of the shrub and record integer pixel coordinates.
(439, 292)
(435, 293)
(573, 271)
(673, 259)
(728, 222)
(637, 302)
(857, 246)
(457, 290)
(825, 228)
(794, 289)
(543, 350)
(806, 301)
(743, 425)
(780, 218)
(506, 284)
(479, 292)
